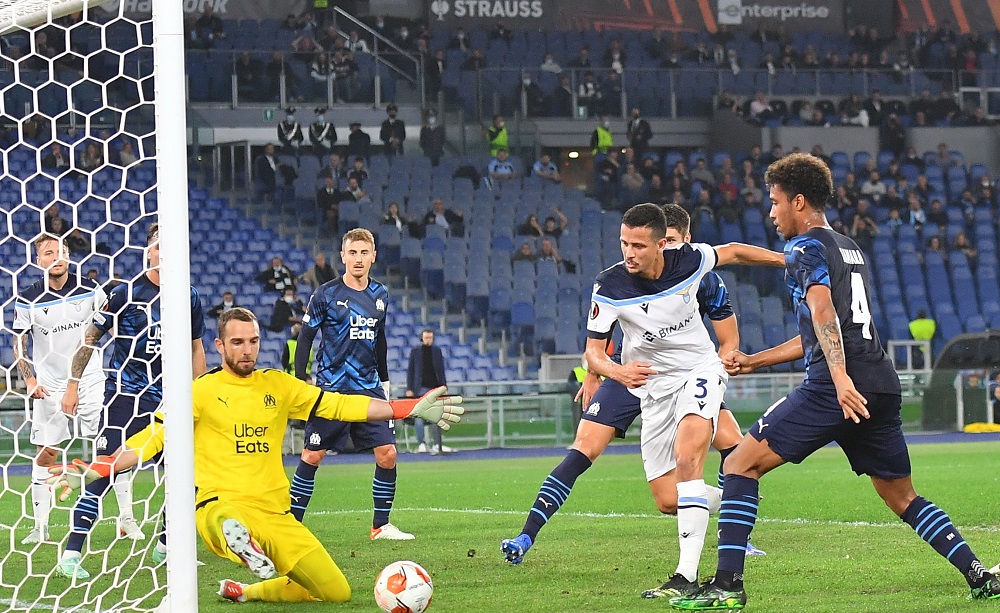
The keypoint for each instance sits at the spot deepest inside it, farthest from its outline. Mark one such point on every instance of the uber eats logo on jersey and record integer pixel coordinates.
(667, 330)
(363, 327)
(248, 438)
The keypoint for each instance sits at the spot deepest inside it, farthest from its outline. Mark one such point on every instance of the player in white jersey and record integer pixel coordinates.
(668, 359)
(53, 313)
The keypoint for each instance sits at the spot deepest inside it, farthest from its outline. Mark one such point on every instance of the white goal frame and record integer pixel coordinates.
(175, 273)
(175, 303)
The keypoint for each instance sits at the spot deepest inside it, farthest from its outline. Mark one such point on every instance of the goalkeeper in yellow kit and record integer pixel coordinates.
(240, 416)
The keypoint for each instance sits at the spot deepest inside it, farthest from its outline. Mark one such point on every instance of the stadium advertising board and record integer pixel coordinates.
(825, 15)
(225, 9)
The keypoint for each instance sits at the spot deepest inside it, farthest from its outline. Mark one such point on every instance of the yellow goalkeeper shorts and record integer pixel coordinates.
(282, 537)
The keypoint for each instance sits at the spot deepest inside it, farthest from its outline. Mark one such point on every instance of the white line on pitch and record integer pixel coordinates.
(590, 515)
(27, 606)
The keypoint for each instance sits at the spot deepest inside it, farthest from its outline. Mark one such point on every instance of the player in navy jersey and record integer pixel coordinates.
(350, 312)
(609, 410)
(850, 394)
(133, 389)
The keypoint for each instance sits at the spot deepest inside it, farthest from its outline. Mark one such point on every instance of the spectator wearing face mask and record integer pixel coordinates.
(288, 310)
(393, 132)
(601, 140)
(228, 302)
(432, 139)
(534, 99)
(497, 135)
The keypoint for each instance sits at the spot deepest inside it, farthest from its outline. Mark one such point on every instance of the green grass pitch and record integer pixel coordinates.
(832, 545)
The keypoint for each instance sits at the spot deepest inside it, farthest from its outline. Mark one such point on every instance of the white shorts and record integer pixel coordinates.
(700, 395)
(50, 427)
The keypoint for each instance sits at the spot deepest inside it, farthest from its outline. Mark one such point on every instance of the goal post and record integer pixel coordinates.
(175, 271)
(106, 78)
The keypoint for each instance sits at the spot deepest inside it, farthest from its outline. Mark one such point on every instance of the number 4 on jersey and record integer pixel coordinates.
(859, 305)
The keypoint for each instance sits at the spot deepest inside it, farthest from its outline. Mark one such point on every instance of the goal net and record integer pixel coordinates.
(90, 117)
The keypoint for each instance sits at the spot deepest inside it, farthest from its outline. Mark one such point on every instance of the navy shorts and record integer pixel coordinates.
(613, 405)
(124, 416)
(810, 418)
(330, 435)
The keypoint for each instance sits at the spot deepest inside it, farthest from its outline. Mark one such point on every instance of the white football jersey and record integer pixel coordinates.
(660, 319)
(57, 321)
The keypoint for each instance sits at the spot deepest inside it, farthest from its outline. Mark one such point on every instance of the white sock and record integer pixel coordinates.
(692, 523)
(160, 547)
(714, 499)
(41, 496)
(123, 493)
(69, 554)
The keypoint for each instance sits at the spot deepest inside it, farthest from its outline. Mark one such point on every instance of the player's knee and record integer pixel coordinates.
(313, 457)
(667, 507)
(335, 591)
(385, 456)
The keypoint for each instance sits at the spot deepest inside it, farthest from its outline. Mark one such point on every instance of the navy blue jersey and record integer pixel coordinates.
(352, 354)
(822, 256)
(713, 298)
(132, 312)
(713, 302)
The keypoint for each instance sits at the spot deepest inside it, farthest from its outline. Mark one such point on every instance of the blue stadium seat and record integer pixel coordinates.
(411, 252)
(499, 308)
(432, 274)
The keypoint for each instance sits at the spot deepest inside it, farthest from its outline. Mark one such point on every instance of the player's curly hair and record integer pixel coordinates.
(802, 173)
(677, 218)
(153, 234)
(646, 215)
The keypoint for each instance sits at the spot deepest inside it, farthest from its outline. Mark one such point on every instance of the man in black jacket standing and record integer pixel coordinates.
(425, 372)
(639, 134)
(393, 132)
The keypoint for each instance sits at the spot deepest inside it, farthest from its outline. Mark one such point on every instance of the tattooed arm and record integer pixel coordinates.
(826, 323)
(24, 368)
(80, 360)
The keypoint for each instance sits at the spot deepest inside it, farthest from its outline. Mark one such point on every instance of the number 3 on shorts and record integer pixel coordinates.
(700, 384)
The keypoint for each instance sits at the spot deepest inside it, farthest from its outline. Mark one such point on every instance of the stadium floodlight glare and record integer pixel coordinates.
(106, 77)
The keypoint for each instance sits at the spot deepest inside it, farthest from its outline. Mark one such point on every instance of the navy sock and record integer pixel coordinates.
(736, 519)
(85, 513)
(934, 526)
(723, 454)
(555, 490)
(383, 493)
(162, 537)
(301, 491)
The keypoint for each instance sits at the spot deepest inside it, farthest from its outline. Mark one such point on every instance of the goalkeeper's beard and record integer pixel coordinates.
(241, 368)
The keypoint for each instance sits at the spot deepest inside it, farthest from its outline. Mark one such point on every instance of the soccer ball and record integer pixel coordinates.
(403, 587)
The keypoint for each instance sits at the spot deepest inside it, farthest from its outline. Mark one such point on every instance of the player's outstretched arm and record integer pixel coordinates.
(827, 326)
(739, 363)
(739, 253)
(432, 406)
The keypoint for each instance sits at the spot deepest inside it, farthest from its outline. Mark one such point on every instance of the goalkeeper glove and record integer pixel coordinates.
(432, 407)
(75, 476)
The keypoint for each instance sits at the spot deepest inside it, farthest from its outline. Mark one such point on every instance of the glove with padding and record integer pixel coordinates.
(68, 477)
(444, 411)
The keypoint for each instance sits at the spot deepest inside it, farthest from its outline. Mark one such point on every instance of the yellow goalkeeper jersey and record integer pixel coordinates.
(239, 424)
